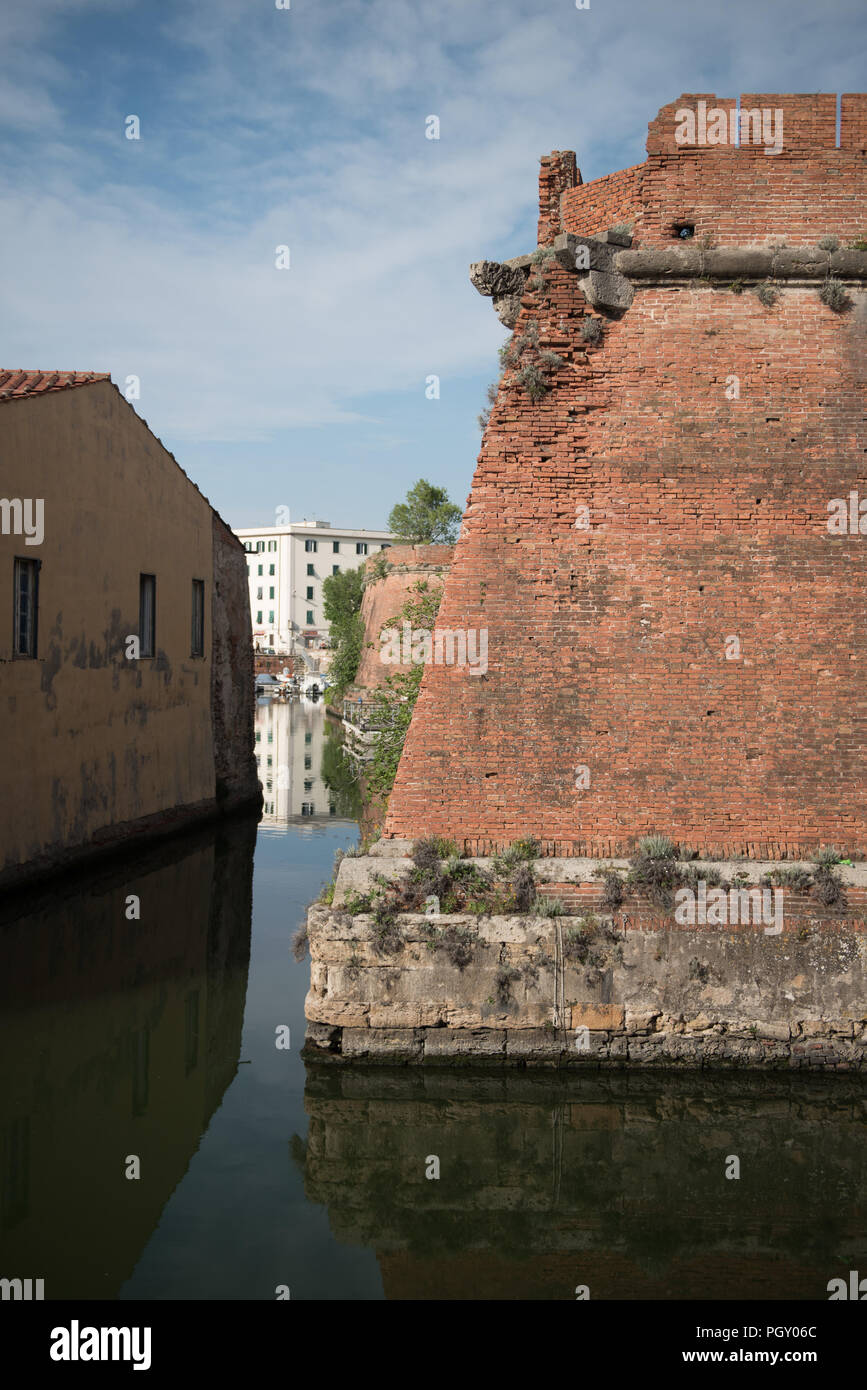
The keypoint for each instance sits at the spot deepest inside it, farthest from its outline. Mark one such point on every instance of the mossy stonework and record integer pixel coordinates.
(589, 987)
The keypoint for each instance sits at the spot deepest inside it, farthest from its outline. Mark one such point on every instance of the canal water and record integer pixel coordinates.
(155, 1040)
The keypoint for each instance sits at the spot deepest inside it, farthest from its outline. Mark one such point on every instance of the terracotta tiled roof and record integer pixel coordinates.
(14, 385)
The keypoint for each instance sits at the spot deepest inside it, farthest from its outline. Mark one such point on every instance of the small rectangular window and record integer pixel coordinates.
(259, 618)
(309, 615)
(259, 591)
(270, 569)
(335, 569)
(361, 547)
(335, 547)
(270, 620)
(197, 642)
(309, 591)
(308, 761)
(271, 591)
(26, 582)
(311, 547)
(147, 614)
(260, 569)
(310, 569)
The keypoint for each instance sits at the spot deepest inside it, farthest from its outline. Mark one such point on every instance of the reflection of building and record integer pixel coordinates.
(117, 1037)
(290, 740)
(286, 567)
(547, 1183)
(125, 670)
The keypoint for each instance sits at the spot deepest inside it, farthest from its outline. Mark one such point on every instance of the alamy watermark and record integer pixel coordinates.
(848, 516)
(23, 516)
(444, 647)
(718, 126)
(718, 907)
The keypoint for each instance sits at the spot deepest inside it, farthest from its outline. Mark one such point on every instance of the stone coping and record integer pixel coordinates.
(390, 858)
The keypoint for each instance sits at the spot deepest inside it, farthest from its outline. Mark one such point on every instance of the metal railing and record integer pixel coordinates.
(366, 715)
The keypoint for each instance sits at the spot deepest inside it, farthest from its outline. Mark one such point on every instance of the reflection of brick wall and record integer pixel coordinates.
(707, 519)
(384, 599)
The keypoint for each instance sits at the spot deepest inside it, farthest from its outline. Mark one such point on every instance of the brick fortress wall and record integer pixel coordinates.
(668, 494)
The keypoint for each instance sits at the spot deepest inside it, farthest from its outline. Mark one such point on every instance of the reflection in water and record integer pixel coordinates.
(617, 1182)
(303, 774)
(117, 1037)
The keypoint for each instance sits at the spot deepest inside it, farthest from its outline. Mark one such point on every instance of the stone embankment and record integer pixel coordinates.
(591, 987)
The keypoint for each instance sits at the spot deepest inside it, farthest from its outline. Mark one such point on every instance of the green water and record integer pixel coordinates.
(157, 1039)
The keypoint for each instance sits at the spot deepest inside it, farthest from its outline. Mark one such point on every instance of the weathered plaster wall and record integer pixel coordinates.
(233, 699)
(647, 990)
(668, 492)
(97, 746)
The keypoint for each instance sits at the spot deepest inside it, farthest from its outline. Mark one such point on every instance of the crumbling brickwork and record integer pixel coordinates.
(676, 641)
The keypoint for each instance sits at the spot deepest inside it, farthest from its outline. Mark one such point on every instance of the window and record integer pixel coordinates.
(271, 591)
(147, 614)
(197, 636)
(308, 785)
(270, 760)
(309, 592)
(259, 618)
(310, 569)
(260, 546)
(308, 761)
(335, 547)
(270, 639)
(259, 591)
(308, 737)
(335, 569)
(270, 620)
(361, 547)
(272, 545)
(310, 615)
(260, 569)
(332, 809)
(270, 569)
(26, 582)
(270, 735)
(259, 736)
(307, 808)
(311, 547)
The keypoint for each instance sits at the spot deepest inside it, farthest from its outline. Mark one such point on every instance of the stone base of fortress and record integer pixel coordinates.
(650, 993)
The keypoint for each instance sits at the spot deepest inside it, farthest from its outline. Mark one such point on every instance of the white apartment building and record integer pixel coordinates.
(286, 568)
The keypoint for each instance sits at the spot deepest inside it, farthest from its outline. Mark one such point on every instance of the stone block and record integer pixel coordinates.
(382, 1043)
(597, 1016)
(606, 291)
(464, 1042)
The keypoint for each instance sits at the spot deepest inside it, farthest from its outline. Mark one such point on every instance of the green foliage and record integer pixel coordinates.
(549, 907)
(340, 775)
(394, 701)
(834, 294)
(378, 570)
(341, 594)
(656, 847)
(766, 294)
(427, 517)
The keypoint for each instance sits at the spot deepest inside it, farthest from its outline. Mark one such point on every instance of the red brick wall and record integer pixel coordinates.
(739, 196)
(708, 520)
(384, 599)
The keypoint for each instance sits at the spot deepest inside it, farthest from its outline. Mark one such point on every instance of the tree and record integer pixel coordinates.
(427, 517)
(341, 594)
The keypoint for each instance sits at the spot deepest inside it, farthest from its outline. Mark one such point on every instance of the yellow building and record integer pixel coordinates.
(126, 681)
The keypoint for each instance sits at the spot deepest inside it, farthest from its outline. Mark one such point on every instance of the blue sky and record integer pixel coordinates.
(306, 127)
